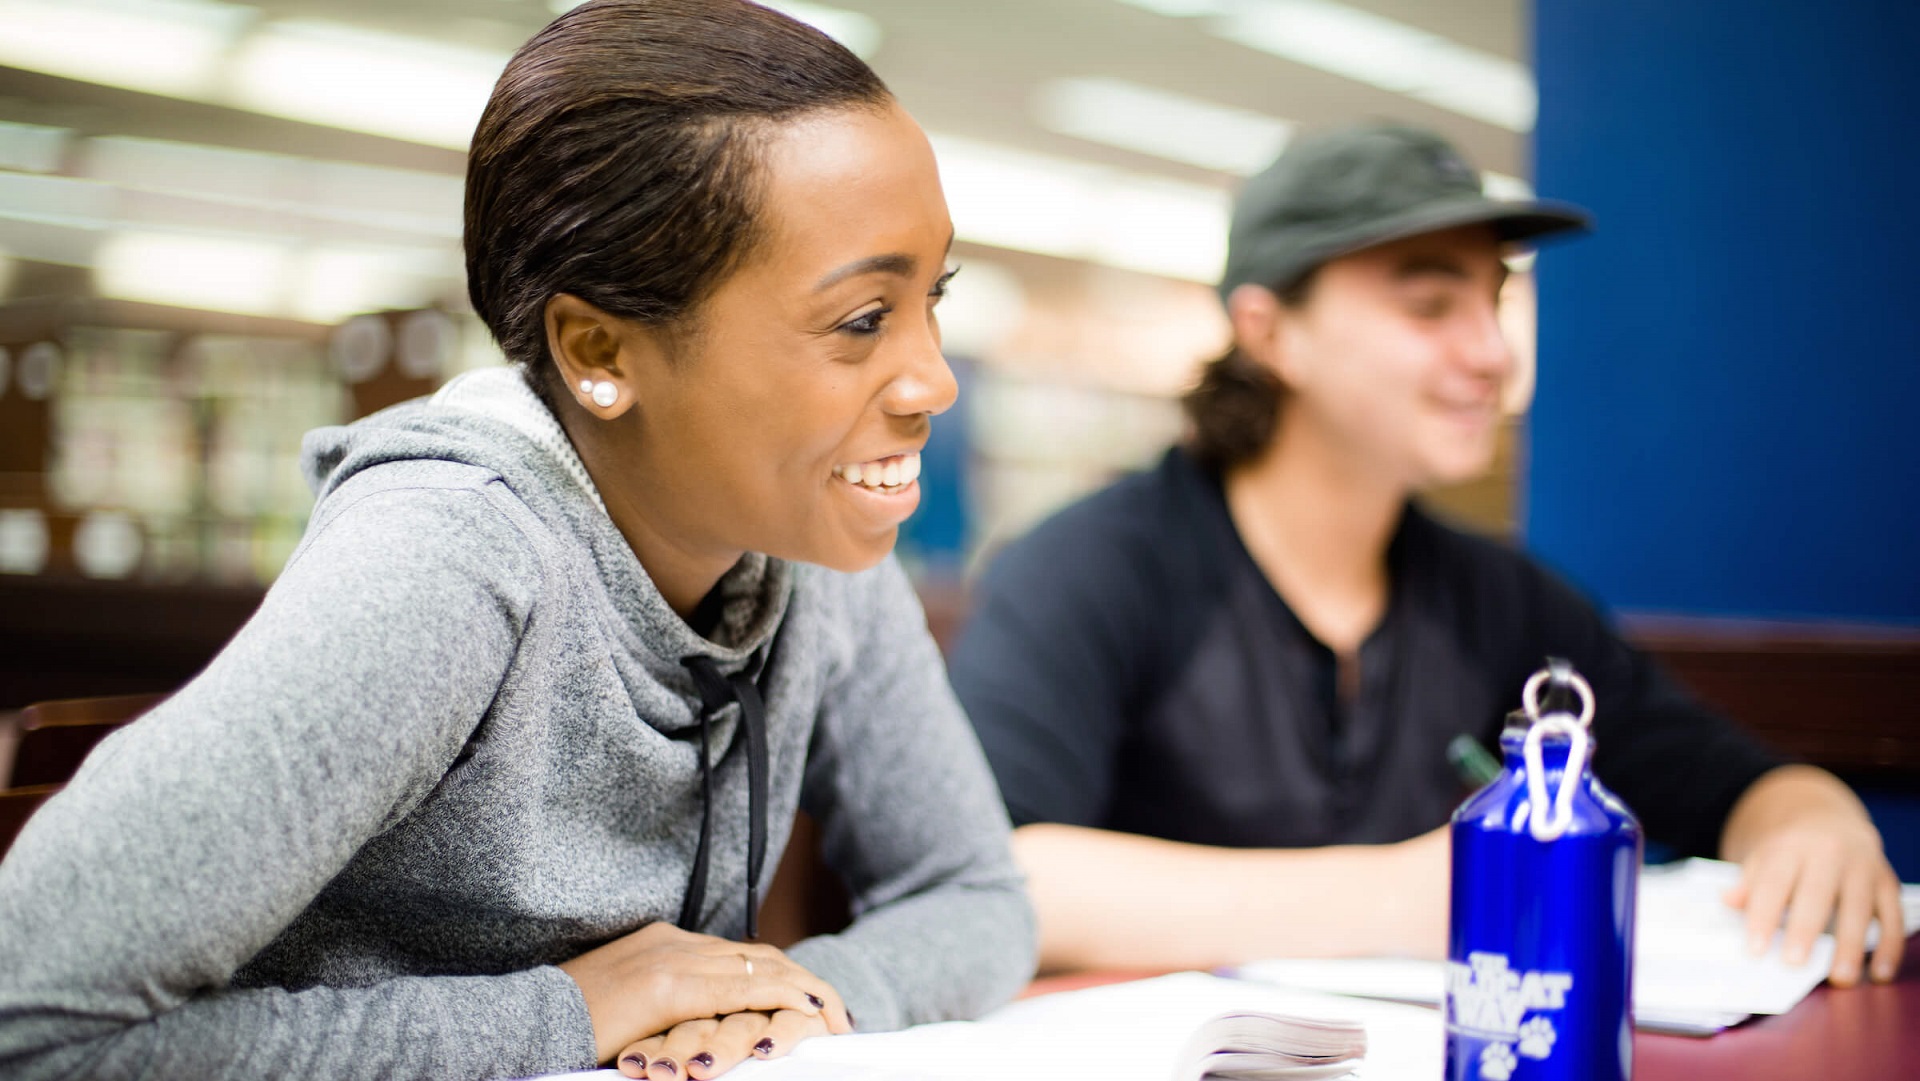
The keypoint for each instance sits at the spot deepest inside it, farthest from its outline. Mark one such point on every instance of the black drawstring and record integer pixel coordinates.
(716, 692)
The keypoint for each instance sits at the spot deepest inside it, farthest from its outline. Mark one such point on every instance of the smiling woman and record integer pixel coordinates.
(490, 785)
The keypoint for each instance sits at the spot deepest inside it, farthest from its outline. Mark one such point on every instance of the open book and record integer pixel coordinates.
(1256, 1046)
(1183, 1027)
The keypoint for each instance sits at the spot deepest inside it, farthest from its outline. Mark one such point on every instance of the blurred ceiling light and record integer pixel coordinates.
(56, 200)
(248, 276)
(331, 284)
(402, 200)
(211, 273)
(1163, 124)
(387, 84)
(1179, 230)
(1372, 49)
(32, 148)
(169, 47)
(1031, 202)
(859, 32)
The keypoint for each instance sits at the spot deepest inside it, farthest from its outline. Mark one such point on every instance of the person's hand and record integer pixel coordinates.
(710, 1046)
(645, 983)
(1811, 855)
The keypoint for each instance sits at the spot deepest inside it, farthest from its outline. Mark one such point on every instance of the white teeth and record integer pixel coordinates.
(884, 473)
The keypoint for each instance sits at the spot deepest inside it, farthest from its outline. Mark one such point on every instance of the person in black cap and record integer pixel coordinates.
(1219, 696)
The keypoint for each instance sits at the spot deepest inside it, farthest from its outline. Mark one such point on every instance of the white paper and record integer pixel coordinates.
(1692, 970)
(1131, 1031)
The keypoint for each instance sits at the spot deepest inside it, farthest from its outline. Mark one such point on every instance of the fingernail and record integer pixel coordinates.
(636, 1060)
(817, 1004)
(702, 1060)
(764, 1047)
(671, 1067)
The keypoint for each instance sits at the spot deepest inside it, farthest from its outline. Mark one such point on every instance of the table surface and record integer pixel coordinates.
(1868, 1033)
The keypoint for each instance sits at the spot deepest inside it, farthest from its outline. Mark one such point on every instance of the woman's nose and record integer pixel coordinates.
(925, 383)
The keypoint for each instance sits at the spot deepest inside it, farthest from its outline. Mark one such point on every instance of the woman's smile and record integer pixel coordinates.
(887, 487)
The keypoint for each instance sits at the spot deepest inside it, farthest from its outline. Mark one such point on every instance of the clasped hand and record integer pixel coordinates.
(667, 1003)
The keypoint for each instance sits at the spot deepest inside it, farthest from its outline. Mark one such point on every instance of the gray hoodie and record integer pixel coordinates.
(458, 745)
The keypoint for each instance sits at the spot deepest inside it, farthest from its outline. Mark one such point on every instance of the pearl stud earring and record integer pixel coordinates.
(603, 393)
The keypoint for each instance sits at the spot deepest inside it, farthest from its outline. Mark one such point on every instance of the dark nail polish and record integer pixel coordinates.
(702, 1060)
(851, 1021)
(817, 1004)
(667, 1064)
(637, 1061)
(764, 1047)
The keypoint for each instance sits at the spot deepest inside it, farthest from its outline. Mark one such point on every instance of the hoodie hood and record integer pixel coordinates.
(492, 420)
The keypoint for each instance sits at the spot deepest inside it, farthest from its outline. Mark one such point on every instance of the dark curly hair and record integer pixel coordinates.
(1232, 410)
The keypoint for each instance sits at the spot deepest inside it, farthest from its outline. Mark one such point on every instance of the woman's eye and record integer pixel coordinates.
(940, 284)
(1430, 307)
(868, 323)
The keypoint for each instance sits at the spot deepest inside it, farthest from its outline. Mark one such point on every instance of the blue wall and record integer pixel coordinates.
(1728, 416)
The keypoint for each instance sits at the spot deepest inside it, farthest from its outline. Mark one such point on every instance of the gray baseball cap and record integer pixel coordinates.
(1334, 193)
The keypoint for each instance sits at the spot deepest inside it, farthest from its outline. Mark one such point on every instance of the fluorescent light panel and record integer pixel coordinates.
(1055, 206)
(403, 87)
(401, 200)
(310, 70)
(171, 47)
(1372, 49)
(859, 32)
(32, 148)
(251, 276)
(1161, 123)
(217, 273)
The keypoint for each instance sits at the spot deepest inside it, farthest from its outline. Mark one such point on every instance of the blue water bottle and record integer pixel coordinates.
(1546, 863)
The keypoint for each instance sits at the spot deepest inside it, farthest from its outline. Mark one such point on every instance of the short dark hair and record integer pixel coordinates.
(618, 159)
(1232, 410)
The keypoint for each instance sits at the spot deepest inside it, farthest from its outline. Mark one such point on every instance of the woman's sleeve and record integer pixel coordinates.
(194, 836)
(910, 818)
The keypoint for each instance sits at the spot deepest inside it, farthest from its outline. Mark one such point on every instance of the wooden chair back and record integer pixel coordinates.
(16, 806)
(56, 736)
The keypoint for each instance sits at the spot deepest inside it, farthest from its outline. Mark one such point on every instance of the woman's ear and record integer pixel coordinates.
(603, 359)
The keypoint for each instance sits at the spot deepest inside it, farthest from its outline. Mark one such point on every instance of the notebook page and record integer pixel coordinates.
(1692, 971)
(1133, 1030)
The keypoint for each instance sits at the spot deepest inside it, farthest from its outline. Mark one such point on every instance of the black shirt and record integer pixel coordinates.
(1129, 667)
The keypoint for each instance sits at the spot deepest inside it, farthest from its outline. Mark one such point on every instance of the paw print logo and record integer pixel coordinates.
(1497, 1062)
(1536, 1038)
